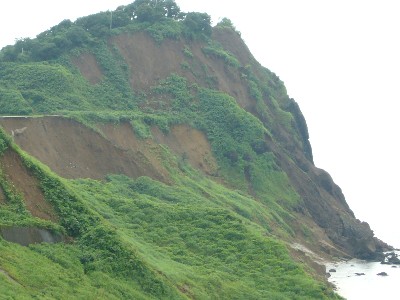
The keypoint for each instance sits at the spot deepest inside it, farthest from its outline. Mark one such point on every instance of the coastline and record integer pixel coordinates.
(360, 279)
(352, 278)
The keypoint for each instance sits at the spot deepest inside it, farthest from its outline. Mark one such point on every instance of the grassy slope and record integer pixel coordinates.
(55, 272)
(142, 239)
(190, 233)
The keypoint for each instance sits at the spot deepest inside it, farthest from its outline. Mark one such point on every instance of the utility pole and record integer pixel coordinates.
(111, 17)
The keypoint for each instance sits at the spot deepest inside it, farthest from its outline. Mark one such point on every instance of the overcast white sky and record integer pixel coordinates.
(340, 60)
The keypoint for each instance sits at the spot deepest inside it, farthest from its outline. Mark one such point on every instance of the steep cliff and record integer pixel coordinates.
(166, 144)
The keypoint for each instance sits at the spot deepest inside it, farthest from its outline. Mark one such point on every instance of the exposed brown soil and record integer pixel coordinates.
(228, 79)
(2, 197)
(26, 184)
(190, 144)
(74, 151)
(232, 42)
(123, 137)
(89, 67)
(150, 62)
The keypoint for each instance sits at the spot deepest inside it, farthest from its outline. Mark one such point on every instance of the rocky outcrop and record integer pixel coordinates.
(324, 202)
(301, 125)
(323, 199)
(391, 259)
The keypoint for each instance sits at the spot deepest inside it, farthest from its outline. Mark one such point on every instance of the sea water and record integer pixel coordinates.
(368, 286)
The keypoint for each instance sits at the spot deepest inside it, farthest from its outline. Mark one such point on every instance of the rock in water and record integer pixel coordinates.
(391, 259)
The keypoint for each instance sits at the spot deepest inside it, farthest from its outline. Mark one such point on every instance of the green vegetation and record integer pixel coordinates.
(216, 51)
(96, 246)
(203, 239)
(13, 103)
(236, 136)
(43, 88)
(55, 272)
(226, 23)
(188, 53)
(197, 241)
(161, 18)
(138, 238)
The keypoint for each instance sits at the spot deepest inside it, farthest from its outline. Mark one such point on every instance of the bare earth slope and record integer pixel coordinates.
(74, 151)
(26, 184)
(2, 197)
(150, 62)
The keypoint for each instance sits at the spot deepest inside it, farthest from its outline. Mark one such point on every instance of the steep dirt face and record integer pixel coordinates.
(123, 137)
(186, 142)
(226, 79)
(232, 42)
(88, 67)
(28, 185)
(190, 144)
(150, 62)
(2, 197)
(75, 151)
